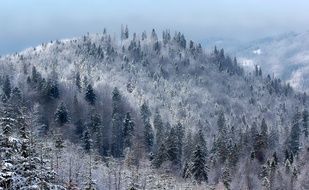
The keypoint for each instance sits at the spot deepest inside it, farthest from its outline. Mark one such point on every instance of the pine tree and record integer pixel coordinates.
(7, 87)
(128, 130)
(62, 115)
(50, 90)
(161, 156)
(90, 96)
(305, 123)
(172, 147)
(7, 123)
(199, 169)
(158, 126)
(154, 36)
(95, 128)
(264, 133)
(188, 147)
(16, 97)
(221, 143)
(295, 133)
(78, 81)
(87, 142)
(226, 177)
(180, 133)
(117, 115)
(199, 156)
(148, 131)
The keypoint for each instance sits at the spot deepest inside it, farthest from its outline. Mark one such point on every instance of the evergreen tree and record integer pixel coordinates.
(188, 147)
(305, 123)
(78, 82)
(264, 132)
(221, 143)
(199, 169)
(295, 133)
(226, 177)
(158, 126)
(95, 128)
(273, 138)
(7, 123)
(7, 87)
(50, 90)
(61, 115)
(148, 132)
(161, 156)
(154, 36)
(117, 115)
(180, 133)
(90, 96)
(172, 147)
(16, 97)
(87, 142)
(128, 130)
(199, 155)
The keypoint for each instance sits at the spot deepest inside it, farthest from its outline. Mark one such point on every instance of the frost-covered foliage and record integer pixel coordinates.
(148, 113)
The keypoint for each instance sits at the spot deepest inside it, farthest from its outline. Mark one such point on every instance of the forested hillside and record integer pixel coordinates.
(147, 111)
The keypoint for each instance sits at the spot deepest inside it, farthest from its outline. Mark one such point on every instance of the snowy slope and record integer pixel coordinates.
(286, 56)
(185, 87)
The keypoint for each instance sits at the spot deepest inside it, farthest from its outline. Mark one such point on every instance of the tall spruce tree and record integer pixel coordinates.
(221, 142)
(158, 126)
(128, 130)
(62, 114)
(78, 81)
(199, 169)
(305, 123)
(7, 87)
(172, 146)
(295, 133)
(90, 96)
(117, 115)
(199, 159)
(7, 123)
(148, 131)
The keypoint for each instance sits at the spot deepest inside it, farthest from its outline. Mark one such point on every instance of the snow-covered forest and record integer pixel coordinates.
(147, 111)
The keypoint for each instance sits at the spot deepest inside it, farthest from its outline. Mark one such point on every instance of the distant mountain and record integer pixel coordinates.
(286, 56)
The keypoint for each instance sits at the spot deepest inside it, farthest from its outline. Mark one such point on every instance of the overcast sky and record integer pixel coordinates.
(27, 23)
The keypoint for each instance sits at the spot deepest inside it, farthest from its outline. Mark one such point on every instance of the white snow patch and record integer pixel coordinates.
(257, 51)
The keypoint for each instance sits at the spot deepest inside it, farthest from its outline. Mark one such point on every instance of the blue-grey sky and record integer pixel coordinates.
(27, 23)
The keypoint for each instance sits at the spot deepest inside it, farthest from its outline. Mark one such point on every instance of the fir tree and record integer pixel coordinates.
(61, 115)
(188, 146)
(90, 96)
(199, 169)
(7, 123)
(305, 123)
(148, 132)
(78, 82)
(87, 142)
(199, 155)
(128, 130)
(221, 143)
(226, 177)
(295, 133)
(264, 133)
(95, 128)
(7, 87)
(172, 147)
(51, 90)
(158, 126)
(161, 156)
(16, 97)
(117, 136)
